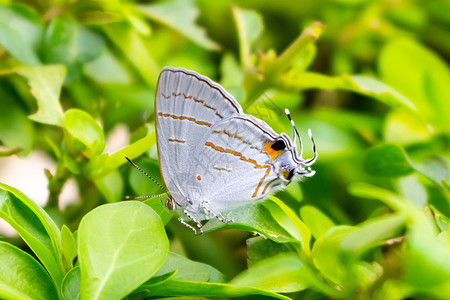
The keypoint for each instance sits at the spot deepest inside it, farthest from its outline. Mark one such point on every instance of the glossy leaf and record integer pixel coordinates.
(189, 270)
(84, 128)
(70, 287)
(106, 162)
(287, 218)
(121, 246)
(22, 277)
(181, 16)
(45, 83)
(387, 160)
(68, 246)
(179, 288)
(35, 227)
(252, 217)
(284, 273)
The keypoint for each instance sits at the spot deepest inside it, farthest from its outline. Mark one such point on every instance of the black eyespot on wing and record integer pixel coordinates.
(278, 145)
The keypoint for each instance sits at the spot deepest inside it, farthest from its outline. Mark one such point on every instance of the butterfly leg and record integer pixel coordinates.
(199, 225)
(218, 215)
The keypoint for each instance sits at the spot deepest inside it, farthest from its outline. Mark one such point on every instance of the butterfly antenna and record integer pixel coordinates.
(134, 165)
(288, 114)
(314, 158)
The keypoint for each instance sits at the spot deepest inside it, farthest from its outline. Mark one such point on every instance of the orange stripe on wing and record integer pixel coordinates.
(184, 118)
(238, 154)
(196, 100)
(177, 141)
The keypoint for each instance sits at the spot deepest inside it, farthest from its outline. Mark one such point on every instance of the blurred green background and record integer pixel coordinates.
(369, 77)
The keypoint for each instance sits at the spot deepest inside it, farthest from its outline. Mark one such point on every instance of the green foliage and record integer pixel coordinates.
(370, 78)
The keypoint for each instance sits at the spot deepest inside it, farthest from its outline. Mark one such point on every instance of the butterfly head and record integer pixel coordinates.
(297, 165)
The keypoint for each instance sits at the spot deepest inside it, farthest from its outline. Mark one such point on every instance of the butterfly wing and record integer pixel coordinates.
(235, 163)
(187, 105)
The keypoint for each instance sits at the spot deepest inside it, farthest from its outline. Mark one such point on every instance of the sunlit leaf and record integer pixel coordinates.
(83, 127)
(35, 227)
(252, 217)
(121, 245)
(316, 220)
(361, 84)
(68, 246)
(190, 270)
(250, 26)
(22, 277)
(420, 75)
(45, 83)
(181, 16)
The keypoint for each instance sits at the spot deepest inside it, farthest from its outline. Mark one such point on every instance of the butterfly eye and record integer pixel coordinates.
(288, 174)
(278, 145)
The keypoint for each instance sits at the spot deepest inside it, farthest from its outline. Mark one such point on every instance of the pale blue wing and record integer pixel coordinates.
(187, 105)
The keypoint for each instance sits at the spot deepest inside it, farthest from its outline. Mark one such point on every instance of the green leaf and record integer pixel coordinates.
(260, 248)
(316, 220)
(329, 258)
(22, 277)
(68, 246)
(388, 160)
(140, 183)
(21, 31)
(360, 84)
(70, 287)
(426, 263)
(252, 217)
(135, 49)
(121, 245)
(84, 128)
(35, 227)
(190, 270)
(45, 83)
(70, 43)
(16, 130)
(371, 232)
(111, 186)
(284, 273)
(250, 26)
(106, 162)
(420, 75)
(159, 208)
(435, 168)
(179, 288)
(107, 69)
(181, 16)
(287, 218)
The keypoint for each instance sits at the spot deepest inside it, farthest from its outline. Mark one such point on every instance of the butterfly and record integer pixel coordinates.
(212, 156)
